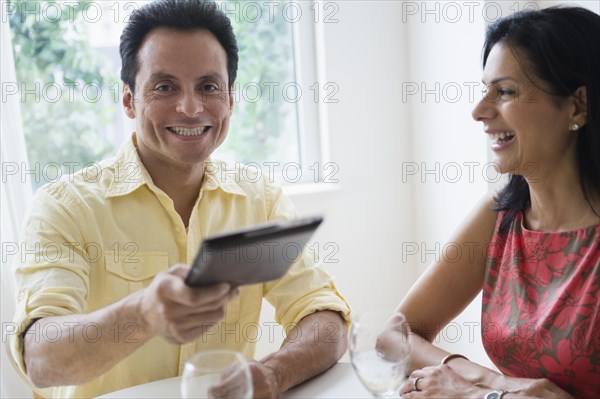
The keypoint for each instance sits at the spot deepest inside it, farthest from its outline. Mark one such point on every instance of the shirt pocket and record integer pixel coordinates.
(137, 272)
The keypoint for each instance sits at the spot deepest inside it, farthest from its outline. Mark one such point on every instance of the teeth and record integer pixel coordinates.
(496, 137)
(182, 131)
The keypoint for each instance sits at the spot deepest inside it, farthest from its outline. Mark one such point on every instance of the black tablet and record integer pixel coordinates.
(253, 255)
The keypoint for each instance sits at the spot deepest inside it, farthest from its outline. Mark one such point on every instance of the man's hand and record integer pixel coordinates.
(178, 313)
(311, 347)
(167, 307)
(265, 381)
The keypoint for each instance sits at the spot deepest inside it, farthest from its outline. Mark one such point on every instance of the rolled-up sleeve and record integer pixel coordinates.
(302, 291)
(306, 288)
(51, 275)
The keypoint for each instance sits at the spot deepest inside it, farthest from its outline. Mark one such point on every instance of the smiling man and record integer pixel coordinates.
(181, 101)
(102, 304)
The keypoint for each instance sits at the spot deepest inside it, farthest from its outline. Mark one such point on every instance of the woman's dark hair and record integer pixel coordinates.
(562, 45)
(182, 15)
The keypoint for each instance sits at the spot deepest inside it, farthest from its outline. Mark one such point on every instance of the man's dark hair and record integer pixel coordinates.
(182, 15)
(561, 46)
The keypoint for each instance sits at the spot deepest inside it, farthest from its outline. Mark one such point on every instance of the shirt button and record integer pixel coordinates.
(132, 270)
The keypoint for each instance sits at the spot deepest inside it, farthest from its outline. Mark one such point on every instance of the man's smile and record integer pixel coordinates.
(184, 131)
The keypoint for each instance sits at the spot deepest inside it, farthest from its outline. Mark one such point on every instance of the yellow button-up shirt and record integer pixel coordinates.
(103, 233)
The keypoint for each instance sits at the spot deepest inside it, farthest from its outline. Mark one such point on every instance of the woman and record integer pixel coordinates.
(537, 254)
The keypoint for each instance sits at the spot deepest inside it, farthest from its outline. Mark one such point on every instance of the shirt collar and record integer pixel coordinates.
(129, 174)
(222, 175)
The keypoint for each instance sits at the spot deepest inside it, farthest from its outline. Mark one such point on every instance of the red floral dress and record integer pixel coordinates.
(541, 306)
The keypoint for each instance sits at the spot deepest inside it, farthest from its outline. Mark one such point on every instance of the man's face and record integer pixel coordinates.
(182, 104)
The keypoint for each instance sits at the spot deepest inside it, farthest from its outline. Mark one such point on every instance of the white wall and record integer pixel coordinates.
(366, 217)
(369, 213)
(381, 214)
(449, 146)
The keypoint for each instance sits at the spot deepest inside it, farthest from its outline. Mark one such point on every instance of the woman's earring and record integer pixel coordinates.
(574, 127)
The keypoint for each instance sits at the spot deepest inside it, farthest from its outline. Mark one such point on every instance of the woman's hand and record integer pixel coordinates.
(440, 382)
(443, 382)
(533, 388)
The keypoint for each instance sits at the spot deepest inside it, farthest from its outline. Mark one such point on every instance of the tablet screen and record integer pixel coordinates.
(253, 255)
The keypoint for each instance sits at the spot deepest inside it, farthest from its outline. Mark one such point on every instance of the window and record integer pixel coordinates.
(67, 62)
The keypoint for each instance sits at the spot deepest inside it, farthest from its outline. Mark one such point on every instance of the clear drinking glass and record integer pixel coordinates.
(217, 374)
(380, 351)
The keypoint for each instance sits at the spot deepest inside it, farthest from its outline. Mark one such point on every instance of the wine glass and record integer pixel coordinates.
(380, 351)
(217, 374)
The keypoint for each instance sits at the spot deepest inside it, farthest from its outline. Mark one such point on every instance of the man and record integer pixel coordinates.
(100, 308)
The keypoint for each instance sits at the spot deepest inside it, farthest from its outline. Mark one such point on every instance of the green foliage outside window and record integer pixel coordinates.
(260, 130)
(55, 53)
(52, 52)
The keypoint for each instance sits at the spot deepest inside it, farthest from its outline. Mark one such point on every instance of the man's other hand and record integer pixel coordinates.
(178, 313)
(264, 380)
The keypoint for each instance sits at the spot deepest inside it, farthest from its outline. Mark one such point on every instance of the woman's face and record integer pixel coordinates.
(528, 128)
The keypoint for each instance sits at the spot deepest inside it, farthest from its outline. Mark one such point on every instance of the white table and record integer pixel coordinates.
(337, 382)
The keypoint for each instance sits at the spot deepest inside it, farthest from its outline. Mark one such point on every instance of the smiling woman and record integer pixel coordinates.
(539, 270)
(524, 121)
(557, 84)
